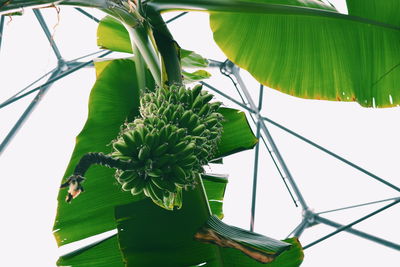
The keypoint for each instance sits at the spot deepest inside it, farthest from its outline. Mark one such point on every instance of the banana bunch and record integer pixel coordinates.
(190, 110)
(175, 136)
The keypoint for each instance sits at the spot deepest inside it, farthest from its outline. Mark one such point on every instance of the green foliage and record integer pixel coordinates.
(321, 56)
(93, 212)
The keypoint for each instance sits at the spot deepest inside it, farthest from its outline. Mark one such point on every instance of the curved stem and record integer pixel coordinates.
(74, 181)
(92, 158)
(167, 46)
(133, 23)
(140, 39)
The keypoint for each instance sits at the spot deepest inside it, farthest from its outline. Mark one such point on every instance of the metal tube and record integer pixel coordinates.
(53, 45)
(235, 72)
(359, 233)
(62, 75)
(227, 97)
(300, 225)
(29, 85)
(333, 155)
(255, 172)
(90, 16)
(304, 224)
(1, 28)
(26, 113)
(176, 17)
(358, 205)
(346, 227)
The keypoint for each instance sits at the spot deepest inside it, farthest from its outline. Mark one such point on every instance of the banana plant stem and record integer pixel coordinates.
(139, 36)
(167, 47)
(133, 23)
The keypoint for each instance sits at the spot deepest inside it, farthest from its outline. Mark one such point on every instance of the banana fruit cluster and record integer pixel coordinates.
(176, 135)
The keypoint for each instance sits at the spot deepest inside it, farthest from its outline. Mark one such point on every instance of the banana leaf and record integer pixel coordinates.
(104, 253)
(309, 50)
(215, 186)
(151, 236)
(343, 58)
(113, 100)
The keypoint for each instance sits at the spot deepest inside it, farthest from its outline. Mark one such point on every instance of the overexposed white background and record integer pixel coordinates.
(32, 165)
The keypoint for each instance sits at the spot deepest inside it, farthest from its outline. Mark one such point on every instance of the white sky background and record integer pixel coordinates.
(33, 164)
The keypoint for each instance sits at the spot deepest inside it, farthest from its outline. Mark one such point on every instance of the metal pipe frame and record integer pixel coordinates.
(310, 218)
(348, 228)
(63, 69)
(46, 31)
(235, 72)
(255, 172)
(1, 28)
(26, 113)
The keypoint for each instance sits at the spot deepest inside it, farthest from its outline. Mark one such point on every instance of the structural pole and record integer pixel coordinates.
(235, 71)
(1, 28)
(26, 113)
(379, 179)
(255, 173)
(362, 234)
(359, 233)
(42, 23)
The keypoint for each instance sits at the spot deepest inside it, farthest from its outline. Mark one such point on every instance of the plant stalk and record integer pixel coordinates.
(133, 23)
(167, 47)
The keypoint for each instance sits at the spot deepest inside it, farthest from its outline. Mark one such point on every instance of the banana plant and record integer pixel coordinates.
(303, 48)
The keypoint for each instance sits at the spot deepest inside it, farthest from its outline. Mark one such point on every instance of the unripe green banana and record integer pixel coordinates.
(191, 159)
(204, 110)
(178, 147)
(188, 150)
(144, 153)
(127, 176)
(185, 117)
(160, 150)
(155, 173)
(197, 103)
(196, 90)
(133, 183)
(122, 147)
(163, 183)
(193, 121)
(138, 137)
(199, 129)
(177, 133)
(149, 141)
(138, 189)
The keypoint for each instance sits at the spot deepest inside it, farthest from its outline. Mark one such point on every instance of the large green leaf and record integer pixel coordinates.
(290, 258)
(198, 75)
(318, 56)
(152, 236)
(385, 11)
(165, 238)
(112, 35)
(237, 135)
(114, 99)
(215, 189)
(107, 253)
(104, 253)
